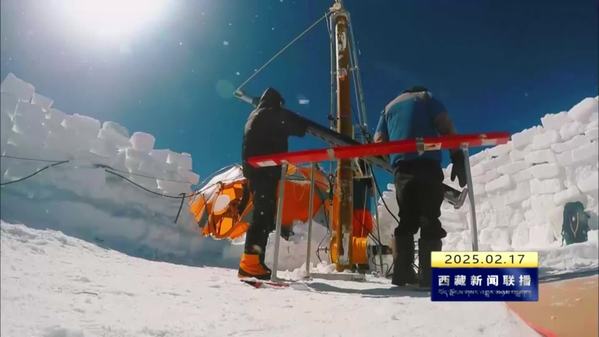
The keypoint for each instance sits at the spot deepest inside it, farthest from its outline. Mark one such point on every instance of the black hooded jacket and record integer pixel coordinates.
(267, 129)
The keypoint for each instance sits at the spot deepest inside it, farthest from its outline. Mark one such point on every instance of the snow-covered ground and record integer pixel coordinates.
(54, 285)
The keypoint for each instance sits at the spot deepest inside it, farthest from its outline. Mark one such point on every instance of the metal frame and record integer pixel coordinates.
(470, 186)
(310, 211)
(280, 199)
(353, 276)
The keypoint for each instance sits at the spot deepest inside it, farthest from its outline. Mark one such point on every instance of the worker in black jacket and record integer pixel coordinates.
(266, 132)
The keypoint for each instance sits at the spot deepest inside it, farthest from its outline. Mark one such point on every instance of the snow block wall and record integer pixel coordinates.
(521, 187)
(79, 197)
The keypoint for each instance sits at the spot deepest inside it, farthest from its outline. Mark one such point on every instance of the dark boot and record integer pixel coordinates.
(403, 272)
(425, 247)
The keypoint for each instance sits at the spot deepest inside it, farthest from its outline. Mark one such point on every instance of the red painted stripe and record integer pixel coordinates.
(378, 149)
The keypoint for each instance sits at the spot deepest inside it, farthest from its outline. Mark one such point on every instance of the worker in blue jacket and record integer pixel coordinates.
(418, 179)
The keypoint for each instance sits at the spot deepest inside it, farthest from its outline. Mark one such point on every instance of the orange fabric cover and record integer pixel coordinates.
(229, 223)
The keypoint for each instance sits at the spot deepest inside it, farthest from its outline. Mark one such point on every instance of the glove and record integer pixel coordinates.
(287, 233)
(458, 168)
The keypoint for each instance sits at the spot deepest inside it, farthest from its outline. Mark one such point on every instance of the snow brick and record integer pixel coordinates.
(142, 141)
(544, 140)
(513, 167)
(517, 155)
(545, 171)
(478, 157)
(521, 176)
(22, 90)
(592, 134)
(523, 138)
(488, 176)
(540, 156)
(583, 110)
(571, 194)
(585, 152)
(570, 130)
(500, 150)
(555, 121)
(588, 183)
(185, 161)
(493, 163)
(477, 170)
(42, 101)
(565, 158)
(85, 125)
(117, 128)
(8, 104)
(521, 193)
(545, 186)
(573, 143)
(500, 183)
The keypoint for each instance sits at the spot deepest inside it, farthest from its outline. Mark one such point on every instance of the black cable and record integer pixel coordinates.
(214, 174)
(31, 159)
(148, 176)
(326, 217)
(375, 239)
(144, 188)
(112, 171)
(34, 173)
(388, 272)
(102, 166)
(388, 210)
(180, 207)
(376, 184)
(373, 261)
(367, 137)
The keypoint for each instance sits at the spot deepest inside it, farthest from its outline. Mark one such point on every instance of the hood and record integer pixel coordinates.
(271, 99)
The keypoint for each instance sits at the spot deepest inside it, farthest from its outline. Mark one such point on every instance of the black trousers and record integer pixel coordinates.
(263, 184)
(419, 192)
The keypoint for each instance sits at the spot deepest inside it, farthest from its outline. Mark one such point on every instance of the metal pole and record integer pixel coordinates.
(473, 229)
(358, 81)
(310, 210)
(275, 263)
(344, 183)
(376, 218)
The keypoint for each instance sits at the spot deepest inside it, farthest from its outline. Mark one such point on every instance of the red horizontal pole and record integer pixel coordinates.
(379, 149)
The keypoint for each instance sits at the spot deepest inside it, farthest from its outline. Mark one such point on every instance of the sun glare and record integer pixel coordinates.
(112, 18)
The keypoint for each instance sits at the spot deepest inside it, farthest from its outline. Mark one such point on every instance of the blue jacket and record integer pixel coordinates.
(408, 116)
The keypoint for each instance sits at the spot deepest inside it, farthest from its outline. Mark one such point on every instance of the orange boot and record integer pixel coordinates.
(251, 266)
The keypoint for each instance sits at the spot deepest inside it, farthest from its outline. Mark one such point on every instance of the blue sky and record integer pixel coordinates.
(497, 65)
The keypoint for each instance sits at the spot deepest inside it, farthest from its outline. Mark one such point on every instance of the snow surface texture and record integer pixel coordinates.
(521, 188)
(84, 201)
(54, 285)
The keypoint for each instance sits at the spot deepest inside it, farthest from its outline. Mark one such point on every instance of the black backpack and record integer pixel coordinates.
(576, 223)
